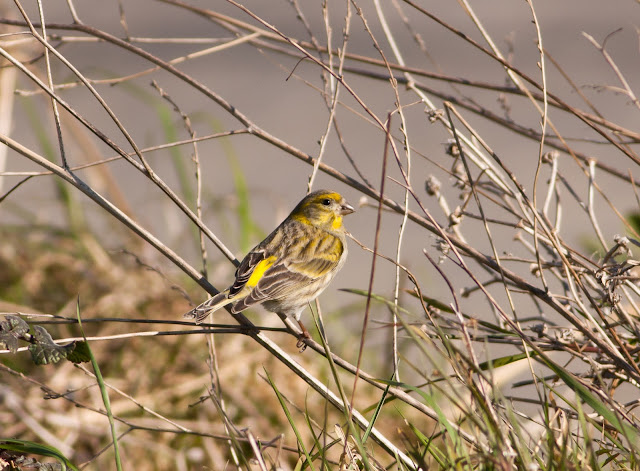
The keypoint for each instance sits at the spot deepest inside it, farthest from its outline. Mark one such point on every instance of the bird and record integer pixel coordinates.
(292, 265)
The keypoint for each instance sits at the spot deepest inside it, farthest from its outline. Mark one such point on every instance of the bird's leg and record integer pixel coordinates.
(301, 339)
(288, 321)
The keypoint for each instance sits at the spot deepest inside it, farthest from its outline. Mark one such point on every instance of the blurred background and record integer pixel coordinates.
(245, 54)
(282, 94)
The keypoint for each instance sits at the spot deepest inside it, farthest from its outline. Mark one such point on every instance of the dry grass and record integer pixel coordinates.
(164, 374)
(496, 326)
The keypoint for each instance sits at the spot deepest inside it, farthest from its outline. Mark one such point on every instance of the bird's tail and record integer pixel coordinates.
(210, 305)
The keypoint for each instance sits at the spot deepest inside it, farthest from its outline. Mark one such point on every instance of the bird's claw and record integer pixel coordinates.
(302, 343)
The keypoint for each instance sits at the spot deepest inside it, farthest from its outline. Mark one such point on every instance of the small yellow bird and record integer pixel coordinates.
(293, 265)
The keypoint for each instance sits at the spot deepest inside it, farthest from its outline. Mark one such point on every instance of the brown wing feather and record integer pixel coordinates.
(270, 246)
(276, 281)
(245, 269)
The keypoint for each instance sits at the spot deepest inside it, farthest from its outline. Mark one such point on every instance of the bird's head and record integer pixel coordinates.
(323, 209)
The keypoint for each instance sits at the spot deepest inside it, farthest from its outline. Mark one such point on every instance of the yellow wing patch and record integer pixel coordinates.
(259, 270)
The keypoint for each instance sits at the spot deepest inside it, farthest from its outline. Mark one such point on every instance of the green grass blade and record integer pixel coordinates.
(73, 208)
(248, 228)
(353, 430)
(452, 433)
(376, 413)
(292, 422)
(103, 392)
(32, 448)
(632, 435)
(165, 116)
(505, 360)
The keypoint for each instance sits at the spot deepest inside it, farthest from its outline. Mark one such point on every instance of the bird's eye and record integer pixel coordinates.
(326, 201)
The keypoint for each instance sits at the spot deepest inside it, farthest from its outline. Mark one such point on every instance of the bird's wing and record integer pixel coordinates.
(252, 261)
(248, 274)
(289, 274)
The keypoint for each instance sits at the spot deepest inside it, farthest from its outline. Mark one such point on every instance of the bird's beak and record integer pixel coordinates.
(346, 209)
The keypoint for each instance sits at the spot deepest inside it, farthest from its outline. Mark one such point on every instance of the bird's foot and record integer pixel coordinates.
(302, 338)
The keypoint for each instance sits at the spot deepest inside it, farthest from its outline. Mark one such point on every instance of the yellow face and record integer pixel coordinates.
(322, 209)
